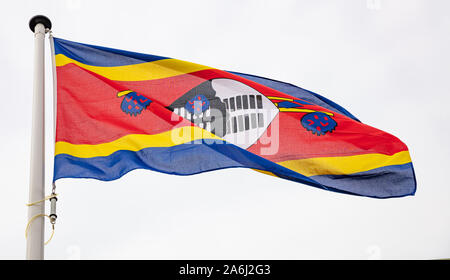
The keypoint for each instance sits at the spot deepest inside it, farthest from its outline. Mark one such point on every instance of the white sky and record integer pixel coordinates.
(387, 62)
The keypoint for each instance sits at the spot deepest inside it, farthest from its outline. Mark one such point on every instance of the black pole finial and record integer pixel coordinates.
(40, 19)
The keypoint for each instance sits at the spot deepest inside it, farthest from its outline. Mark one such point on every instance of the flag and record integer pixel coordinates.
(118, 111)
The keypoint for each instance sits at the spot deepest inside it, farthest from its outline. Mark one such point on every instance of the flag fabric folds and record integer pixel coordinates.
(118, 111)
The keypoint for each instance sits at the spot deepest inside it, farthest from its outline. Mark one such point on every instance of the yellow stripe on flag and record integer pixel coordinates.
(159, 69)
(344, 165)
(135, 142)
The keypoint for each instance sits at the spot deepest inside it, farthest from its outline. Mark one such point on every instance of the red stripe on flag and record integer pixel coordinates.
(89, 113)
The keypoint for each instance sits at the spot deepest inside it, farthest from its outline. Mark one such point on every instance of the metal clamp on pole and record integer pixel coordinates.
(53, 215)
(53, 201)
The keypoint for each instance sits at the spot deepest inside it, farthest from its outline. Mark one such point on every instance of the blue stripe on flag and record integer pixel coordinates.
(387, 181)
(188, 159)
(100, 56)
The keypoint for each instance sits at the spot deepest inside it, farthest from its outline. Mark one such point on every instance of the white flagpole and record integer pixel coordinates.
(35, 240)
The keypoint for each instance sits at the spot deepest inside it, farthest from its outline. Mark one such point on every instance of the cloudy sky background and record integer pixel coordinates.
(387, 62)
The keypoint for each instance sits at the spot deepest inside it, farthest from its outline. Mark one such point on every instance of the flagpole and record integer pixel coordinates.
(35, 240)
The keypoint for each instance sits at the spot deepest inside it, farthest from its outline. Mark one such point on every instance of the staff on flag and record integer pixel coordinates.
(35, 232)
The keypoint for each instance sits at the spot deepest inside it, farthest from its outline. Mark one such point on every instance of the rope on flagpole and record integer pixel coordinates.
(48, 197)
(51, 217)
(34, 218)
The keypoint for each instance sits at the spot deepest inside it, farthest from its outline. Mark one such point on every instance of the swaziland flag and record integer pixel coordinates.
(119, 110)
